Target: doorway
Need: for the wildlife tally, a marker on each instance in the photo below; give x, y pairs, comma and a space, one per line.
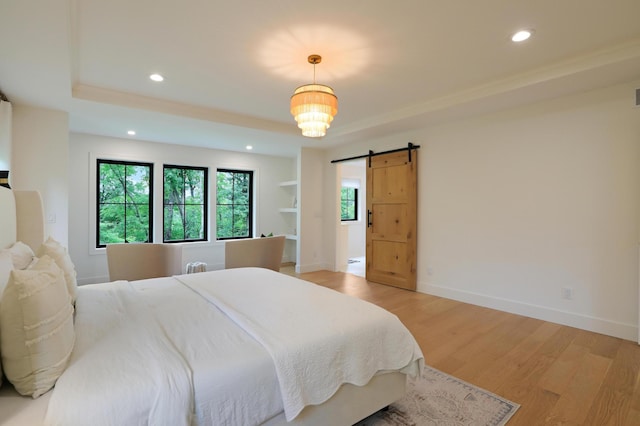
352, 226
391, 216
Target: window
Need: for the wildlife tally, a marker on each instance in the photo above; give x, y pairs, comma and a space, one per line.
348, 203
185, 204
124, 202
234, 204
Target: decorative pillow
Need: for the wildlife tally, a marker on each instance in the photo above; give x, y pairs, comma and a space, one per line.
22, 255
36, 327
6, 265
59, 254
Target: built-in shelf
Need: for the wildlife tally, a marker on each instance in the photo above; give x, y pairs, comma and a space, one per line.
288, 210
290, 215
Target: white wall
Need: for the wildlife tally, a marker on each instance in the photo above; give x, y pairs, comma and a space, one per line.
91, 264
356, 230
5, 135
516, 205
310, 208
40, 161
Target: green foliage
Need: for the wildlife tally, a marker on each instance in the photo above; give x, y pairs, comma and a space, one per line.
124, 204
184, 204
233, 212
348, 201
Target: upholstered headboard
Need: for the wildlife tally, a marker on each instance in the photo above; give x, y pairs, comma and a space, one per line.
21, 218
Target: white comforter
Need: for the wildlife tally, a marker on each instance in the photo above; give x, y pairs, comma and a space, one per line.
225, 347
318, 338
123, 367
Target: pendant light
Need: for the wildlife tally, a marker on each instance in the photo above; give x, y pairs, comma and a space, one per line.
314, 105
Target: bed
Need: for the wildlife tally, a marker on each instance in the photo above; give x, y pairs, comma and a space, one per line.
245, 346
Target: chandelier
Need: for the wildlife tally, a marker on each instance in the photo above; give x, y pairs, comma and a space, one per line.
314, 105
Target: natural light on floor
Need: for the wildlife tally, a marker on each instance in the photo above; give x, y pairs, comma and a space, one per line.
356, 266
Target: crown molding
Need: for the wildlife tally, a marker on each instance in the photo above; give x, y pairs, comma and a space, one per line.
129, 100
620, 55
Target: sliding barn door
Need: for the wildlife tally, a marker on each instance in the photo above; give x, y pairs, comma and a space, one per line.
392, 219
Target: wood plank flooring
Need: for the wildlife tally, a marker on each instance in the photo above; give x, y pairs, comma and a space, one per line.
560, 375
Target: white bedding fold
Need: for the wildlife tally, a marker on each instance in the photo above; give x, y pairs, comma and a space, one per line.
121, 356
234, 379
318, 338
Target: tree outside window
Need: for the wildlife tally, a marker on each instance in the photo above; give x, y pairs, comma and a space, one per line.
348, 203
234, 204
185, 204
124, 205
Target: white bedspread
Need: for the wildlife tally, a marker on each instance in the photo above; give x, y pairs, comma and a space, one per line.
231, 347
318, 338
123, 368
234, 379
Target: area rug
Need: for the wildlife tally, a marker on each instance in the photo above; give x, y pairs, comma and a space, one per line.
439, 399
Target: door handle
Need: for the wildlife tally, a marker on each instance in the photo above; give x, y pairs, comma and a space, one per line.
369, 223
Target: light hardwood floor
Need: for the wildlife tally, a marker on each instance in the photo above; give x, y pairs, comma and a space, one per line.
560, 375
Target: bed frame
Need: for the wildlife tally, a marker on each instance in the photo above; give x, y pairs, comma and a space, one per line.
22, 219
350, 403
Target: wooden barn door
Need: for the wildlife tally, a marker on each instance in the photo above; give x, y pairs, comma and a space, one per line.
392, 218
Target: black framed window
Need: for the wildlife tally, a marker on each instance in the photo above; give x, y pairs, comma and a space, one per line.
348, 203
124, 202
234, 204
185, 203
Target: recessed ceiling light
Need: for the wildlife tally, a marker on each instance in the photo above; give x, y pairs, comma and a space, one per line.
249, 147
131, 132
521, 36
156, 77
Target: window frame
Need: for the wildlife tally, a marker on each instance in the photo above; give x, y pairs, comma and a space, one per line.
355, 204
98, 163
205, 205
251, 203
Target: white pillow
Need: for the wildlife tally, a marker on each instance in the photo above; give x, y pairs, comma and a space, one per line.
6, 265
36, 327
22, 255
59, 254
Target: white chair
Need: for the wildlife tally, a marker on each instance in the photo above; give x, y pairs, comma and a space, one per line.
138, 261
260, 252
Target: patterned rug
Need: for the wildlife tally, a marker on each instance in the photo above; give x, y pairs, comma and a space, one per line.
440, 399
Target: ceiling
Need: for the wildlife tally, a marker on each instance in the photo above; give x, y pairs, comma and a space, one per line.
230, 67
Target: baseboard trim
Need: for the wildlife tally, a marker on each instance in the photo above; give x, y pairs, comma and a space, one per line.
572, 319
300, 269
